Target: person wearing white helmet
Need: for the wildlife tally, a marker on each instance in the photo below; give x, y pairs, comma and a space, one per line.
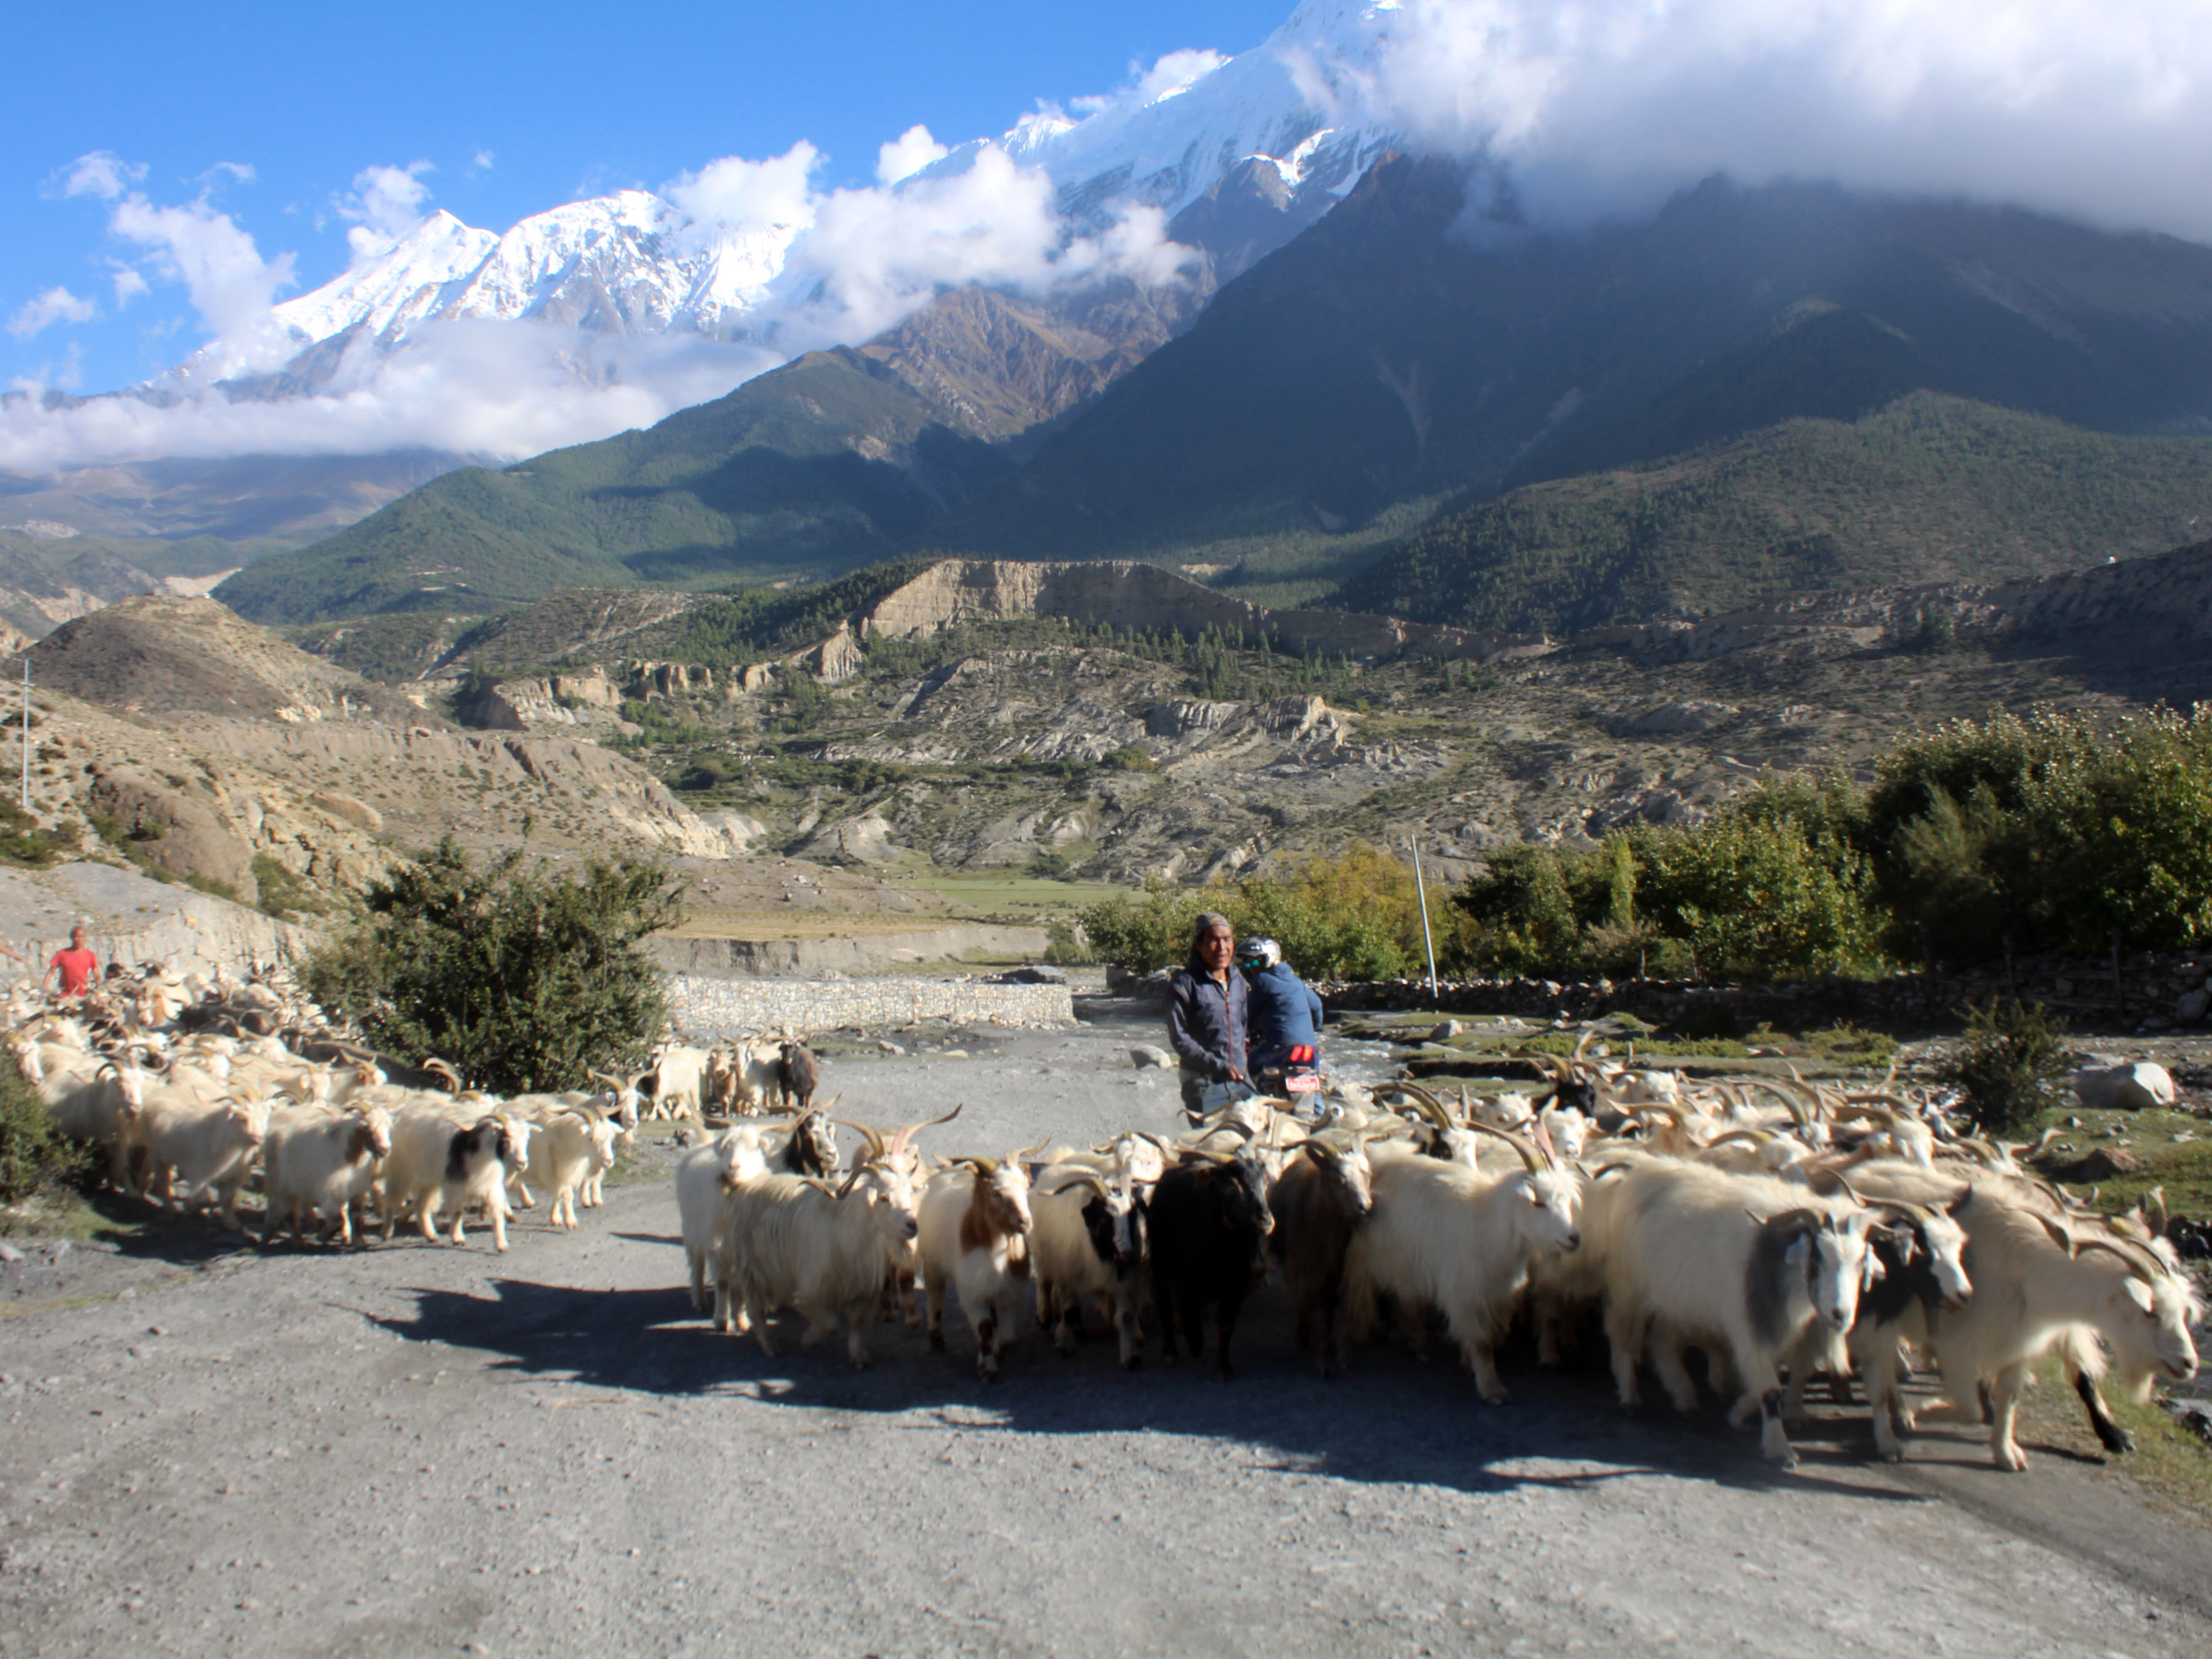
1284, 1015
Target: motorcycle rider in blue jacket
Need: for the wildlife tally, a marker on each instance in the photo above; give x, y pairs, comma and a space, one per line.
1283, 1014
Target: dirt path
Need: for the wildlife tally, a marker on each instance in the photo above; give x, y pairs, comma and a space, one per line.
422, 1450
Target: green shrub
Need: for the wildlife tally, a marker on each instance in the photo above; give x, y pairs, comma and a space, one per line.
283, 894
22, 841
1130, 759
33, 1155
1065, 946
2012, 1053
523, 976
1355, 916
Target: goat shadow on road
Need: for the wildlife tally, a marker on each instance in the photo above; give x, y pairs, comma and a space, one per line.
1409, 1422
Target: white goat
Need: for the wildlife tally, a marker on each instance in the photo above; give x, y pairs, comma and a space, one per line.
444, 1157
1740, 1264
703, 1176
208, 1146
2045, 1282
315, 1159
796, 1242
1459, 1240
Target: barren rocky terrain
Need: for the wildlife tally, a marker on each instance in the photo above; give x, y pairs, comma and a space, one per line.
418, 1448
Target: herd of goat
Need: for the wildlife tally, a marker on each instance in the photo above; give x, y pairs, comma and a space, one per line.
1781, 1227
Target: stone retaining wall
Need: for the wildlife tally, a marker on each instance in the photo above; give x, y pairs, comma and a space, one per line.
2155, 991
714, 1007
851, 953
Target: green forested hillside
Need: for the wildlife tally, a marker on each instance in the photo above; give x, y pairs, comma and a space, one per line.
820, 466
1931, 489
1389, 361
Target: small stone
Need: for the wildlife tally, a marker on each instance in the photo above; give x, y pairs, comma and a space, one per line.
61, 1248
9, 1253
889, 1047
2105, 1163
2188, 1007
1145, 1054
1447, 1031
956, 1054
157, 1330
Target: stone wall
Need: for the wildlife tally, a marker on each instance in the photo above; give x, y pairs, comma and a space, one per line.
2147, 990
851, 953
717, 1007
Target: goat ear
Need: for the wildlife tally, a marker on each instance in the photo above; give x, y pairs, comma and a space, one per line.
2141, 1294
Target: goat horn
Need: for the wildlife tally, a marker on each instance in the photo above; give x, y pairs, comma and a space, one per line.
1848, 1193
1520, 1143
903, 1136
2144, 1263
873, 1137
1157, 1140
1088, 1178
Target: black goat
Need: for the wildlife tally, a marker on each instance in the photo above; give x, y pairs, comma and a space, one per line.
1209, 1224
798, 1074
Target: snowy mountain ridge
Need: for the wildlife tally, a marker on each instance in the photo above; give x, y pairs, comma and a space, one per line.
633, 262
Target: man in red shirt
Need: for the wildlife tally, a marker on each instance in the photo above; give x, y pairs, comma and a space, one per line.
77, 966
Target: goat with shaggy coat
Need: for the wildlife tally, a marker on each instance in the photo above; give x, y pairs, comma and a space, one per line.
975, 1236
1209, 1223
1744, 1263
447, 1159
2045, 1282
1088, 1239
704, 1177
1319, 1203
1459, 1240
318, 1161
208, 1146
796, 1242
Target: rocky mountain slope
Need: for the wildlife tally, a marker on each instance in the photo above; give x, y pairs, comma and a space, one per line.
966, 727
173, 737
1387, 364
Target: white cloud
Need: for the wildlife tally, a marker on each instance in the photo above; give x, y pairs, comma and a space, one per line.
501, 391
238, 173
481, 161
129, 284
907, 154
102, 173
385, 205
55, 305
736, 192
2098, 108
231, 285
1173, 72
873, 255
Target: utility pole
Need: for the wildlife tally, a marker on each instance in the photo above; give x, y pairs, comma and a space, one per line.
1421, 888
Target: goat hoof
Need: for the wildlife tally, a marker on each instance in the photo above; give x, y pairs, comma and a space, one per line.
2116, 1439
937, 1342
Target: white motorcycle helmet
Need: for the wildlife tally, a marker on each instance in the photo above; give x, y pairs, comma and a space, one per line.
1254, 955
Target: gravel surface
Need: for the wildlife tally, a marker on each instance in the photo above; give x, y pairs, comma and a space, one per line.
418, 1449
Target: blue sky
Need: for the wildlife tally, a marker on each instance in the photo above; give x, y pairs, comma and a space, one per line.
562, 101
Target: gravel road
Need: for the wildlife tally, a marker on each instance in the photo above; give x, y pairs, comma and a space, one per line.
421, 1450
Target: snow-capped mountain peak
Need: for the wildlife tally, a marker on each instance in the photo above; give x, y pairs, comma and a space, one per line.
633, 262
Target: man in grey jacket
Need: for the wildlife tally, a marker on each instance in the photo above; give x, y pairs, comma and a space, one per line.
1206, 1013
